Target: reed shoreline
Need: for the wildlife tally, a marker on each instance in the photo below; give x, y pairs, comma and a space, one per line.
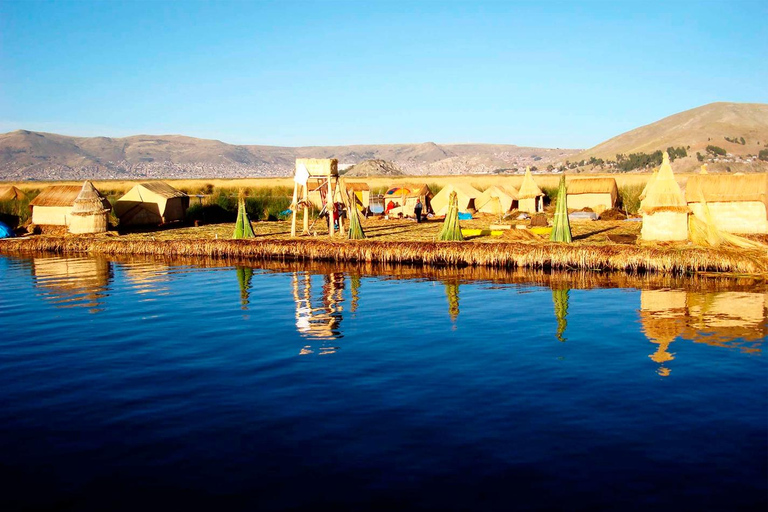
535, 255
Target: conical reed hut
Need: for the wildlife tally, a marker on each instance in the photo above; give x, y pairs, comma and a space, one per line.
451, 230
561, 226
90, 211
243, 228
530, 197
664, 210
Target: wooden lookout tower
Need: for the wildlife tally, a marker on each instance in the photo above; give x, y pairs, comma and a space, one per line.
316, 175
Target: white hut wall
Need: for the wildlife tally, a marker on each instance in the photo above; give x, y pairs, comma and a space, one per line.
665, 226
86, 224
597, 202
51, 215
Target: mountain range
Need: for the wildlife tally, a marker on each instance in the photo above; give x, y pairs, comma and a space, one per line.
28, 155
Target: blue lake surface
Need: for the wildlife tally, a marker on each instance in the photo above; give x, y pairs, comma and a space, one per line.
138, 383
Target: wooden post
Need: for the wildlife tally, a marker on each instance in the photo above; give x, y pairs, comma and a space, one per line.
306, 210
294, 205
329, 207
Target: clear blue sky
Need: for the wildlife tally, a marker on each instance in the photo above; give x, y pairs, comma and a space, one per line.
316, 73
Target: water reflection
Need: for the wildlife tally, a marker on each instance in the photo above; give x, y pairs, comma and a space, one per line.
560, 297
452, 292
319, 319
73, 282
721, 319
244, 278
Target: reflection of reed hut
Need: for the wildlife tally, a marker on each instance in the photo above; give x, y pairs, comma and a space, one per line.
665, 212
152, 203
496, 200
530, 197
662, 315
466, 195
402, 199
597, 194
53, 206
361, 193
728, 319
73, 282
90, 212
737, 204
319, 321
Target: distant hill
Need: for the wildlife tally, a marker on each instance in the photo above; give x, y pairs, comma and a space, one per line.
374, 168
699, 127
47, 156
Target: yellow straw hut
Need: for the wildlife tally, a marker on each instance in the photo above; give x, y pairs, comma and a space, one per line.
466, 194
361, 193
737, 204
53, 206
11, 193
597, 194
664, 210
90, 211
530, 197
496, 200
151, 204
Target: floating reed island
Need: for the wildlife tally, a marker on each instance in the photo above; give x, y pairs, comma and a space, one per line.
677, 259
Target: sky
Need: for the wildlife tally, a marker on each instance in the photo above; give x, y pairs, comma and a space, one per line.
546, 74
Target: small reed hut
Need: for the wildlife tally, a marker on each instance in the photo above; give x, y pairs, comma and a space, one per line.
597, 194
530, 197
465, 194
361, 193
403, 198
664, 210
53, 206
737, 204
11, 193
90, 211
496, 200
316, 181
151, 204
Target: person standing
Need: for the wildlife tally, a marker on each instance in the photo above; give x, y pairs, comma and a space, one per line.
417, 210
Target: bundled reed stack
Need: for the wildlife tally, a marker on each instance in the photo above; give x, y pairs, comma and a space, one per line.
90, 211
530, 197
664, 210
355, 227
243, 227
561, 226
451, 230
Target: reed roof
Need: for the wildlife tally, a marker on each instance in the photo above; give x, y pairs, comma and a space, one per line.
647, 185
529, 188
718, 188
90, 201
57, 195
162, 189
11, 193
593, 186
357, 187
664, 193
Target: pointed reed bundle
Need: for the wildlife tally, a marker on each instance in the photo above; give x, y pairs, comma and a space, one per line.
451, 230
243, 228
355, 227
561, 226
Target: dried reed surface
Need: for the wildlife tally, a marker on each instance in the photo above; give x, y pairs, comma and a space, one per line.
658, 258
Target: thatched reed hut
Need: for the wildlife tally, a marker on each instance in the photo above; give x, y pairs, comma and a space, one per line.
53, 206
151, 203
598, 194
737, 204
496, 200
664, 210
465, 193
403, 198
11, 193
361, 193
90, 211
530, 197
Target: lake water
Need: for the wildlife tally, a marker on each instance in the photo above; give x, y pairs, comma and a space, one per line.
138, 383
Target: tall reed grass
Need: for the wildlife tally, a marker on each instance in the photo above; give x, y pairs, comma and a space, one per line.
629, 196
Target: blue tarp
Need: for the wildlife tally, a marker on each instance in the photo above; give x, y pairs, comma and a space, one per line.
465, 216
5, 231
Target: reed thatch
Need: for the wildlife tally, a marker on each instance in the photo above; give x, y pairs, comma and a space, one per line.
451, 230
57, 196
664, 194
561, 226
11, 193
593, 186
720, 188
465, 198
90, 201
319, 167
529, 189
648, 185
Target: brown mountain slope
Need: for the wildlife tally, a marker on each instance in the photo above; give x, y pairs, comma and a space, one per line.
697, 128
